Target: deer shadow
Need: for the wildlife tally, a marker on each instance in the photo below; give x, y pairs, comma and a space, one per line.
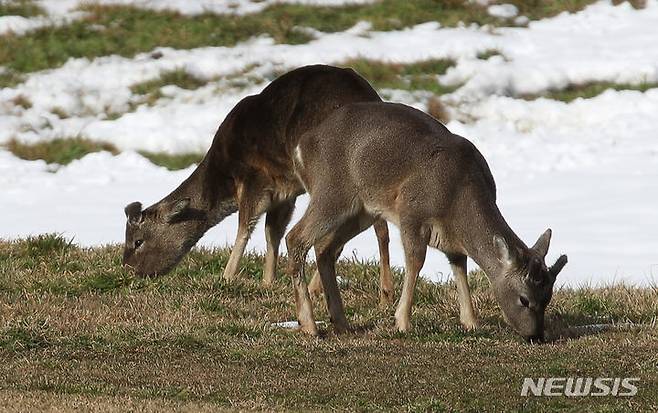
571, 327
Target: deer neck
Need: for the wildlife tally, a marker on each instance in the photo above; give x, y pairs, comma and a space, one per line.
211, 189
480, 229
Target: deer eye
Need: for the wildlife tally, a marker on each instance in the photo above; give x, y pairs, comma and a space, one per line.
138, 243
524, 301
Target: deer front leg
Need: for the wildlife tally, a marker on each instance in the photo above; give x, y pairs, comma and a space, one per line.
298, 246
386, 290
466, 313
231, 269
276, 220
251, 205
415, 250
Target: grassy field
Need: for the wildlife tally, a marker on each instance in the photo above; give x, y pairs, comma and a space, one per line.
78, 331
127, 30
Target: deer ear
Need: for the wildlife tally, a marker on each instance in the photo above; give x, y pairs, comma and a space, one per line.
133, 212
177, 208
542, 244
557, 267
504, 254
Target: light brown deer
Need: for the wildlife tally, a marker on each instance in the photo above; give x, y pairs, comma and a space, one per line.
381, 160
249, 169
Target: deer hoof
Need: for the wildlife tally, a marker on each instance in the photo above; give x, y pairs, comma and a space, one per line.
309, 329
469, 325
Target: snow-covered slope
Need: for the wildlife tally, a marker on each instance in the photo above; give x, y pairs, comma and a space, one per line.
588, 169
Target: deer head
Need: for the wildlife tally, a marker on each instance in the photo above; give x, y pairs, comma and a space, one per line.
525, 287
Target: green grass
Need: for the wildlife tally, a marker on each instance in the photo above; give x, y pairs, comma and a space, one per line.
64, 151
539, 9
78, 329
44, 245
58, 151
127, 31
173, 162
25, 8
414, 76
487, 54
589, 90
60, 112
9, 78
150, 89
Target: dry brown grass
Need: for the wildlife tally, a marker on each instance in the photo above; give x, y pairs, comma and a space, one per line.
22, 102
437, 109
44, 401
79, 332
637, 4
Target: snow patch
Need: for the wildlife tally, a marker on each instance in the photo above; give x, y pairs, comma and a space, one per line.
503, 11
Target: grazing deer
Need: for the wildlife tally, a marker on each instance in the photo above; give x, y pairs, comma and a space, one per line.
248, 168
372, 160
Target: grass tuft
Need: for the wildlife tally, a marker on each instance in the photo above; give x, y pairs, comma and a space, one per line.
9, 78
540, 9
589, 90
58, 151
127, 30
22, 101
60, 113
438, 110
637, 4
25, 8
173, 162
150, 89
414, 76
64, 151
46, 245
489, 53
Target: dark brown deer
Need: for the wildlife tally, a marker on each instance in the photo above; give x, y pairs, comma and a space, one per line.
248, 168
375, 160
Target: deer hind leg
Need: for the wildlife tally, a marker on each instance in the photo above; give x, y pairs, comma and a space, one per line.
466, 313
327, 252
386, 290
315, 288
276, 220
414, 241
314, 225
315, 285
